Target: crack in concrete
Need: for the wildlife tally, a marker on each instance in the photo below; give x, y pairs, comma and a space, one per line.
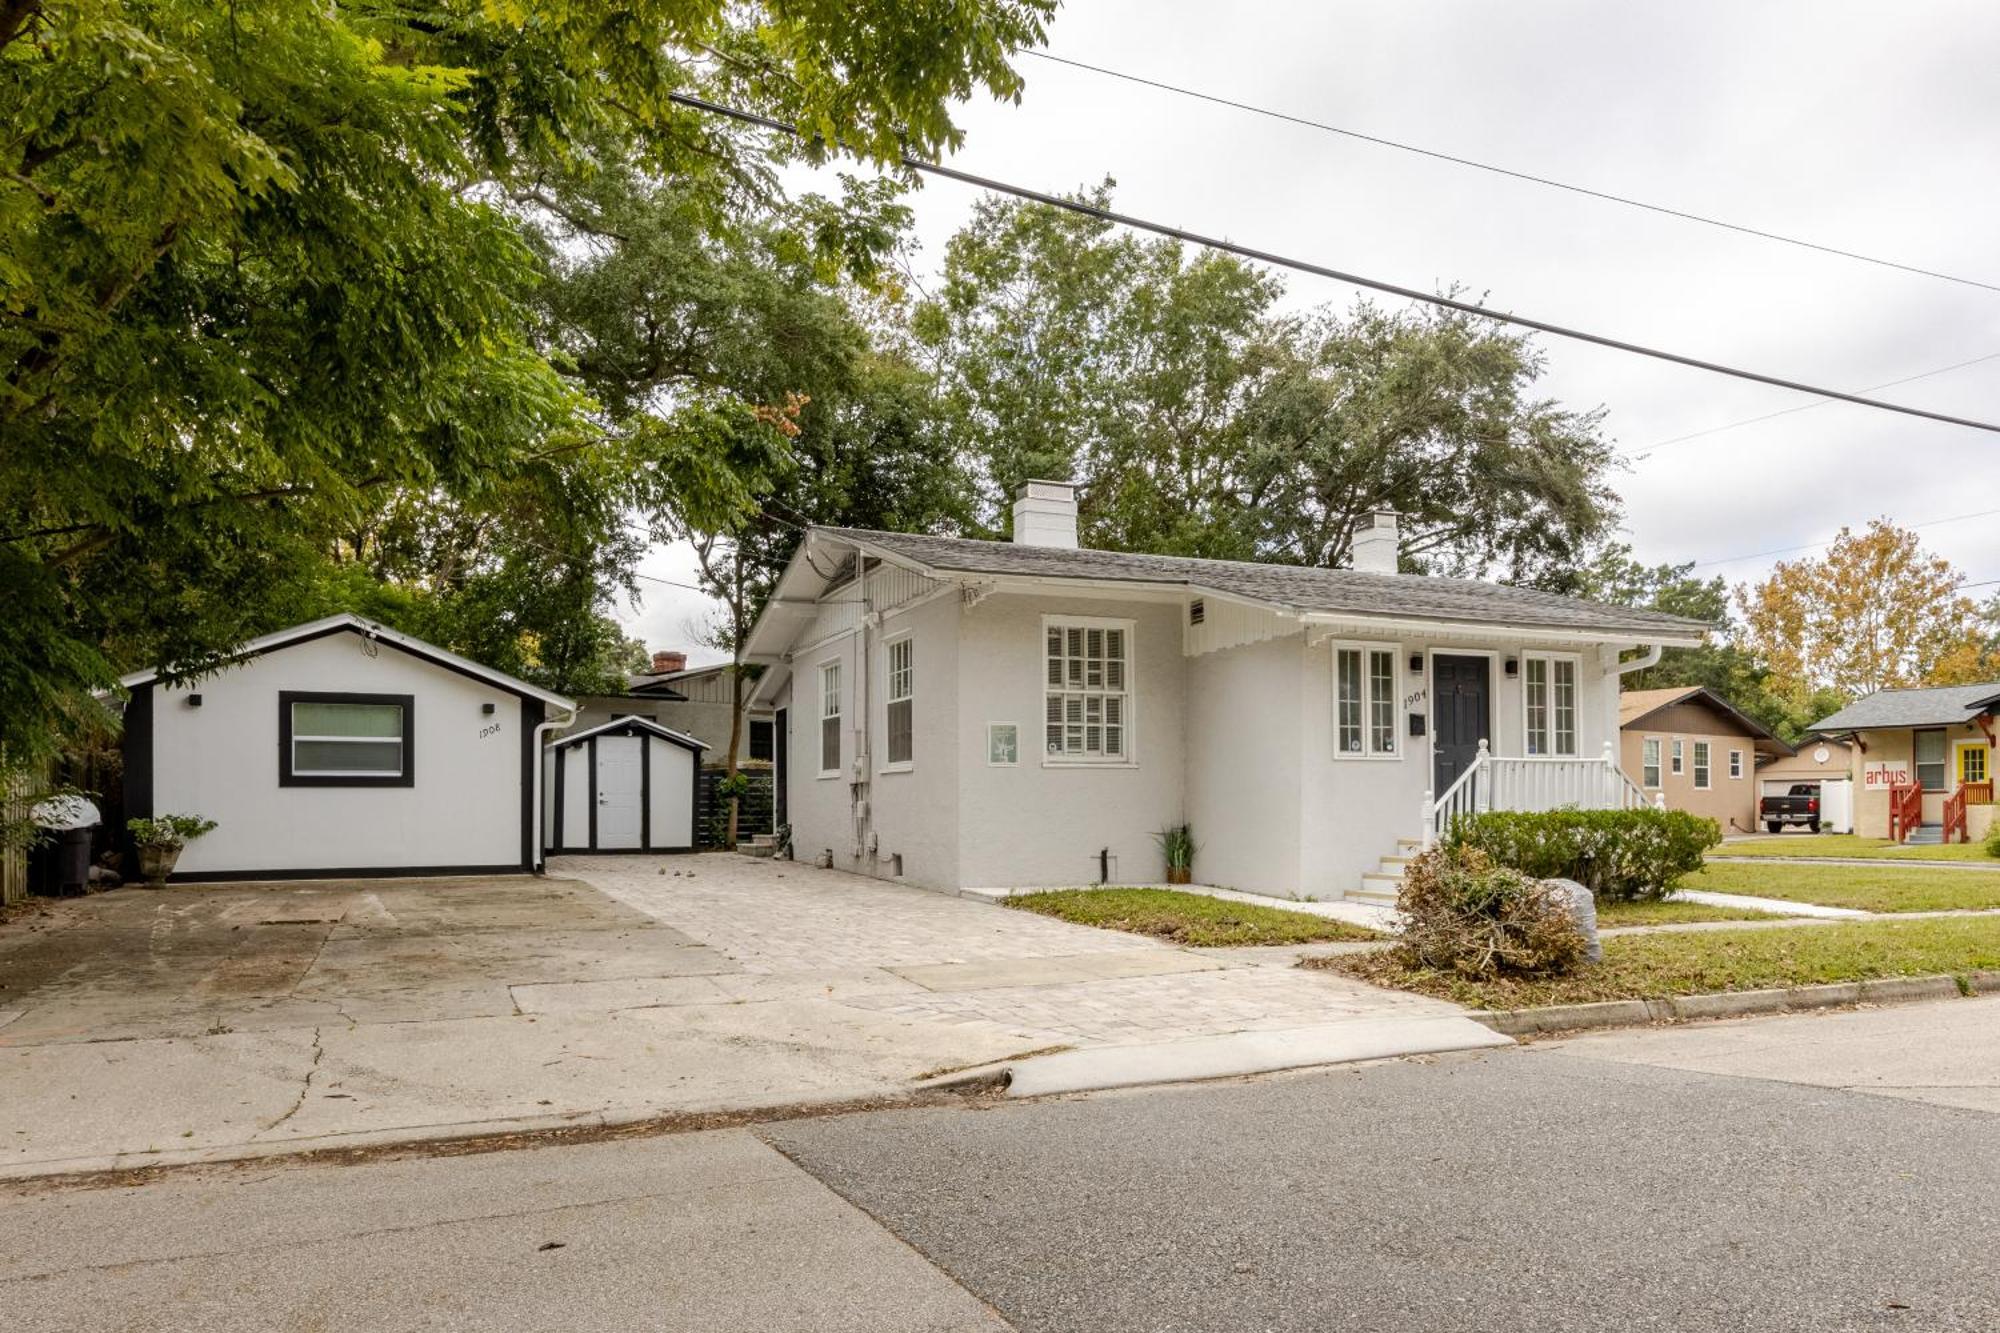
305, 1087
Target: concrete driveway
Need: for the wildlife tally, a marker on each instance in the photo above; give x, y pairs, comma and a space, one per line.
204, 1022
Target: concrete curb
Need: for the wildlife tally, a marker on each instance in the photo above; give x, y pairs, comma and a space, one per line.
1736, 1004
1236, 1054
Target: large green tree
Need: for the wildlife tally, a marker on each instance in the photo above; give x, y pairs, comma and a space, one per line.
269, 269
1198, 419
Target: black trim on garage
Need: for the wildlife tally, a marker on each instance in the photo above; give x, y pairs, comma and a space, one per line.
344, 872
286, 778
533, 713
590, 806
135, 746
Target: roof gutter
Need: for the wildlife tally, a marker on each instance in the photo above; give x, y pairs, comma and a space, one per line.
538, 859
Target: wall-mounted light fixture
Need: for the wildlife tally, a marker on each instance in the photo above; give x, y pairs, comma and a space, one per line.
1513, 667
1416, 664
486, 709
194, 701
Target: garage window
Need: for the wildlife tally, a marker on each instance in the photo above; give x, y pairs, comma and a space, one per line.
902, 701
346, 740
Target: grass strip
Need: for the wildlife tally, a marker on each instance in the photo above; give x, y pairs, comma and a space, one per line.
1193, 919
1646, 967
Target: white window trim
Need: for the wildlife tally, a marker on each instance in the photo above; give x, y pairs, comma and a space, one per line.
1659, 745
1680, 760
1703, 773
901, 765
991, 727
1368, 750
820, 714
1130, 759
1736, 765
1576, 728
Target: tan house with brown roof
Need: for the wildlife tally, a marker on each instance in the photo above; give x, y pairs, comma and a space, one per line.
1687, 746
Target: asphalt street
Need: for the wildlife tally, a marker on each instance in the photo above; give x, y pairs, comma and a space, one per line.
1732, 1176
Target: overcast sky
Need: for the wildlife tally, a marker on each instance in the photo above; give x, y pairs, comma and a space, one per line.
1866, 127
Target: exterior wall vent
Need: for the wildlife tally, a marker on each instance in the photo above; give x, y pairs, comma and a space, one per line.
1197, 611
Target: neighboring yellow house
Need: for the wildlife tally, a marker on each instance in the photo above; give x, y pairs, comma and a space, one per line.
1939, 740
1686, 746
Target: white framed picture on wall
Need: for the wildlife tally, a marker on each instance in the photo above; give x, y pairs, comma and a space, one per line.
1003, 745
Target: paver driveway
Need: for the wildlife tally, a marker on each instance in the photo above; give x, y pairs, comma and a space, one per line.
892, 949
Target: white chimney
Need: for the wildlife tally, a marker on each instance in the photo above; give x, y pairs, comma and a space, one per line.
1045, 514
1375, 543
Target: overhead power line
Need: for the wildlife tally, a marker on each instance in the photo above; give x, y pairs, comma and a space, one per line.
1640, 455
1476, 165
1355, 279
1814, 546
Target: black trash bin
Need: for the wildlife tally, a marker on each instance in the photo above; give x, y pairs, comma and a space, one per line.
70, 865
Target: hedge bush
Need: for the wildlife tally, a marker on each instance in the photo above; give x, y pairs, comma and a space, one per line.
1619, 855
1463, 914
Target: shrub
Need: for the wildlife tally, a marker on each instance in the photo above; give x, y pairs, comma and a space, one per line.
1619, 855
1463, 914
168, 830
1993, 839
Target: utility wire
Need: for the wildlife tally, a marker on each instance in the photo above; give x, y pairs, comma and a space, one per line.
1641, 455
1814, 546
1530, 177
1352, 279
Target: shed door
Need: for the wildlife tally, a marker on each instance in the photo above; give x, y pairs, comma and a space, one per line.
619, 792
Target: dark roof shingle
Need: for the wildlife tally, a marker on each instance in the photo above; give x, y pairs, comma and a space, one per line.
1297, 587
1934, 706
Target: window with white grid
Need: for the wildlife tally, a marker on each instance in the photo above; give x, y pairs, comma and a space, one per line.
902, 697
1364, 700
1087, 690
829, 719
1549, 705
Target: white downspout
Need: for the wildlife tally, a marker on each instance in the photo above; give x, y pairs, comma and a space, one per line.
542, 730
1651, 657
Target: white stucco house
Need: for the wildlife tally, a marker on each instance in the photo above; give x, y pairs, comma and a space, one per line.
341, 747
1030, 713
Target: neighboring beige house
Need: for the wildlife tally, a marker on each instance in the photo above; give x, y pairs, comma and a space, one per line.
1932, 748
1030, 713
1687, 745
693, 702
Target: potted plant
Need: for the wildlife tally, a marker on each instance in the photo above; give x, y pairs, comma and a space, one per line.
1177, 841
160, 841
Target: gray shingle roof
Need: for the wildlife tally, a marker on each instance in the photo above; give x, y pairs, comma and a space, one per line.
1937, 706
1327, 591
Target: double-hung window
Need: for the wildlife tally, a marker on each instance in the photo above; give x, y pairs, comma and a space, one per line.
1649, 763
1736, 763
346, 740
902, 700
829, 720
1701, 765
1087, 691
1930, 751
1549, 699
1678, 764
1364, 700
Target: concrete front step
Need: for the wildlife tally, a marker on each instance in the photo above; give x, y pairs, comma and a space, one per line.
1372, 897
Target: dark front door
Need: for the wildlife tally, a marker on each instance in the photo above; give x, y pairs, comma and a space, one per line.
1459, 715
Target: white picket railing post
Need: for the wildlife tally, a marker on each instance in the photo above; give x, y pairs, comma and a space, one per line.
1429, 824
1482, 792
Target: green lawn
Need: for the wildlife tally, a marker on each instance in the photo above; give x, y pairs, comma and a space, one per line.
1702, 962
1869, 888
1669, 913
1187, 918
1846, 844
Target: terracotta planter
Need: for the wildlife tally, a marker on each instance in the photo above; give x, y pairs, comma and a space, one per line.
156, 863
1180, 874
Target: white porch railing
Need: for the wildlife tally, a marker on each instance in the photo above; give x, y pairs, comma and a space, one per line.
1494, 782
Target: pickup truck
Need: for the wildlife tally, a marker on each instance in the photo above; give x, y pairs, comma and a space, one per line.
1798, 806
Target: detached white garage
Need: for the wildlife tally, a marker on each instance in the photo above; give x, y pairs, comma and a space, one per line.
627, 785
342, 748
